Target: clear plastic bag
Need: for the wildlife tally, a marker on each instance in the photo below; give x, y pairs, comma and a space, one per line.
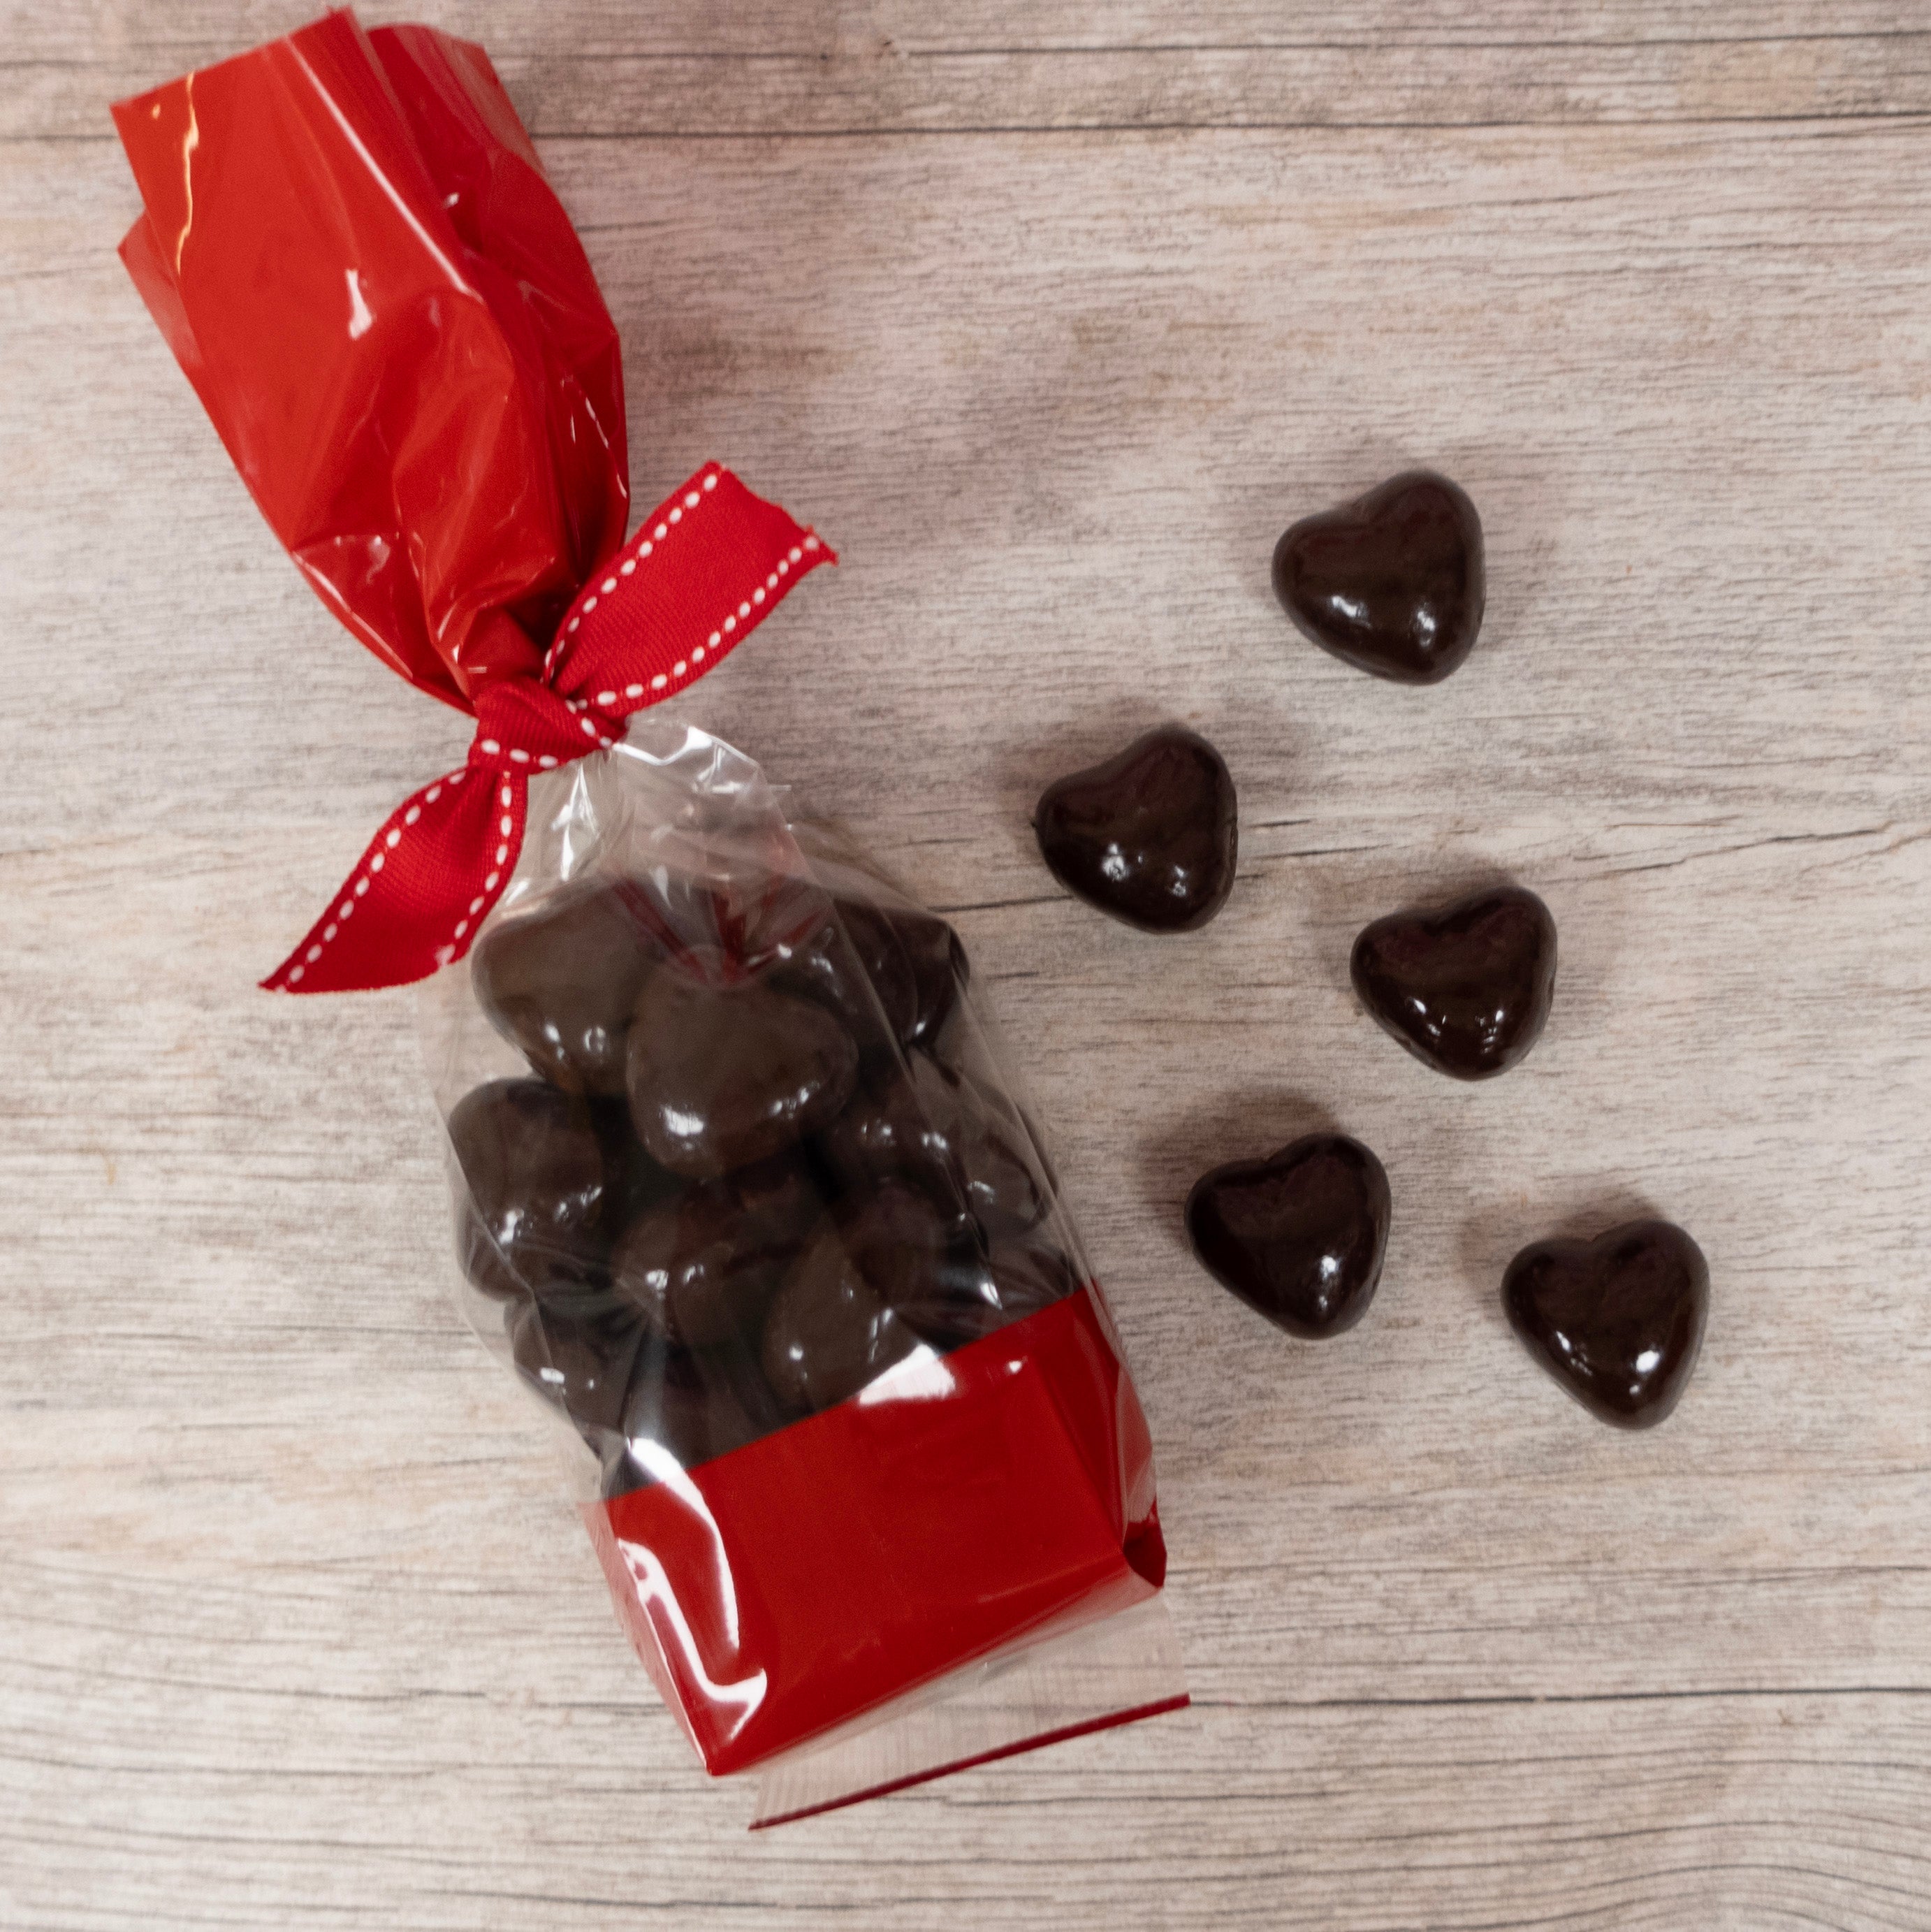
748, 1197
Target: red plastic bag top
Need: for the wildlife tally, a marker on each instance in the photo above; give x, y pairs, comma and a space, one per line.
353, 253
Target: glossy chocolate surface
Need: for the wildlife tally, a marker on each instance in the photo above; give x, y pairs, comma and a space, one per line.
534, 1167
941, 972
1467, 989
892, 975
797, 1187
940, 1131
1006, 1190
582, 1363
636, 1182
1392, 583
854, 966
722, 1076
1617, 1321
700, 1268
1150, 835
885, 1133
1299, 1237
561, 981
683, 1409
973, 1295
832, 1328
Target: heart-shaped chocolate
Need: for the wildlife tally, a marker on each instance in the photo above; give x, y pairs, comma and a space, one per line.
684, 1408
941, 972
1299, 1236
974, 1292
1149, 836
534, 1213
1392, 582
581, 1361
561, 980
853, 965
700, 1268
1467, 989
947, 1135
869, 962
832, 1327
1617, 1321
722, 1075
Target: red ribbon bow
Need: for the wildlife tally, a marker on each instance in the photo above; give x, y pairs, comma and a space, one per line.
708, 565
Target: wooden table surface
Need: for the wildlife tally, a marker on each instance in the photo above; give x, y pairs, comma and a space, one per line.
1051, 317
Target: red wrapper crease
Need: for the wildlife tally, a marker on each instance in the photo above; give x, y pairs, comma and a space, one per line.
353, 253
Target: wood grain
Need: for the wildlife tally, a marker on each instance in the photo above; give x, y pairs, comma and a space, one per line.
819, 68
298, 1627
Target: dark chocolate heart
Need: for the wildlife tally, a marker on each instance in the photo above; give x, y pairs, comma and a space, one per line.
1005, 1187
685, 1408
853, 964
1467, 989
942, 1132
973, 1293
701, 1268
1299, 1236
561, 980
1394, 582
721, 1075
1617, 1321
868, 963
879, 922
886, 1132
1150, 835
581, 1362
832, 1327
534, 1210
941, 972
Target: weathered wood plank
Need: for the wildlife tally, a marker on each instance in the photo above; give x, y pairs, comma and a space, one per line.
829, 69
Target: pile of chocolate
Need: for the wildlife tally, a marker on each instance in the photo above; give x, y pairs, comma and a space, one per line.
754, 1165
1395, 584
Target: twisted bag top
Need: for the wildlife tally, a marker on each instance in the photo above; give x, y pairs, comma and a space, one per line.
353, 253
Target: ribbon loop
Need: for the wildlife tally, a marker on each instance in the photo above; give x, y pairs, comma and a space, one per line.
705, 568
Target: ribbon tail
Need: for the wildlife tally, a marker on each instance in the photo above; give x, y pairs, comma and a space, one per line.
426, 881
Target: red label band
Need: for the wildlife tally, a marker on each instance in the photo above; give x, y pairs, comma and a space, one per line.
957, 1505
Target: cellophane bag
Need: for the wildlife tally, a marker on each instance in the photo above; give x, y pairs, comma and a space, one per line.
745, 1193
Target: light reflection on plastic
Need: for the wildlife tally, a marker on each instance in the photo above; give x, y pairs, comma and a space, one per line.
360, 320
190, 142
376, 175
922, 1376
653, 1586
